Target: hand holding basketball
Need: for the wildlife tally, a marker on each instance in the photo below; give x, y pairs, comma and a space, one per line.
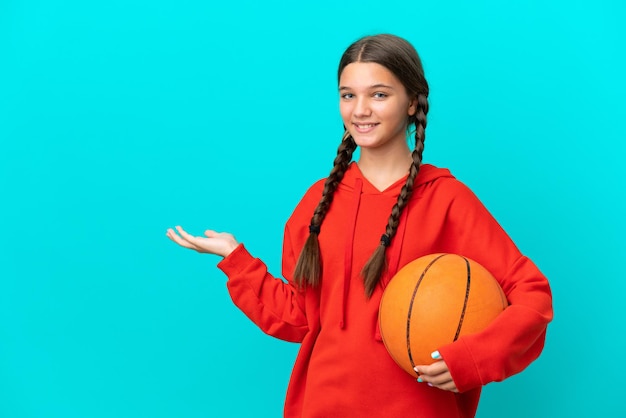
436, 375
218, 243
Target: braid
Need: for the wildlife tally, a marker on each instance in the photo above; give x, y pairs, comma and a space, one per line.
374, 268
420, 123
308, 268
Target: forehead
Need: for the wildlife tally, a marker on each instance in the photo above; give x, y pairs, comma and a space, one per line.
366, 74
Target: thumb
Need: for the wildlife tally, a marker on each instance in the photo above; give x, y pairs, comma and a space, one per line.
210, 233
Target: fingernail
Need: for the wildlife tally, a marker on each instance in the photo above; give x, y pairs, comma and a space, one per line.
415, 368
435, 355
419, 380
430, 384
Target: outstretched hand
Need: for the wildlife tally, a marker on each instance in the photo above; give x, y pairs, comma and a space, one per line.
437, 374
218, 243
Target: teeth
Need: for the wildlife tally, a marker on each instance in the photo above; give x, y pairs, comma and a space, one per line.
371, 125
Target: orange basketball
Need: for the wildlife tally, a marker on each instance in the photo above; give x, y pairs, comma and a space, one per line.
431, 302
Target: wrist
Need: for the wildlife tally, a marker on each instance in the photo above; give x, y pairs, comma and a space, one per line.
230, 248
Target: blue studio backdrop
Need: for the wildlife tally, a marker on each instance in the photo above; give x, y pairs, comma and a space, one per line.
120, 119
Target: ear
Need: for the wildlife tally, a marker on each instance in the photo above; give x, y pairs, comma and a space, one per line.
412, 107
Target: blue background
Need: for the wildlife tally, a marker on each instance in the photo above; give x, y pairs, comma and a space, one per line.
120, 119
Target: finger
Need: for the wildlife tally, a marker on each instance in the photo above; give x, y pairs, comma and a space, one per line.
441, 379
180, 240
432, 369
436, 375
450, 386
210, 233
438, 379
186, 236
171, 234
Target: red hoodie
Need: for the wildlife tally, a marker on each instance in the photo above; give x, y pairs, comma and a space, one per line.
343, 369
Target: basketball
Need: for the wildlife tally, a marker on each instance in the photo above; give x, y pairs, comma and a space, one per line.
432, 301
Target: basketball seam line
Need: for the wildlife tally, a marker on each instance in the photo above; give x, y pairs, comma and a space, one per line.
408, 321
467, 292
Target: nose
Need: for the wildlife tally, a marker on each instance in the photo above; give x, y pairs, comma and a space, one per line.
362, 108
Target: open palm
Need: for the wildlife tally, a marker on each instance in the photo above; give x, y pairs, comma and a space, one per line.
219, 243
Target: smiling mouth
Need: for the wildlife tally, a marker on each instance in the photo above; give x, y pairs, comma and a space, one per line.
364, 127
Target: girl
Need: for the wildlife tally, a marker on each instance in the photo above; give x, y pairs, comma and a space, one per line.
336, 263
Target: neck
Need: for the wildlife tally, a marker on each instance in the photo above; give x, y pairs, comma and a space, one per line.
382, 168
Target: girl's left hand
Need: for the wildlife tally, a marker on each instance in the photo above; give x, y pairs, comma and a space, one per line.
437, 375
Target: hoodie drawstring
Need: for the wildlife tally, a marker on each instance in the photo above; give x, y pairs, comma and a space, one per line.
393, 254
351, 223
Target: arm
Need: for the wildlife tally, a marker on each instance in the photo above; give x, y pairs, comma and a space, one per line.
516, 337
273, 305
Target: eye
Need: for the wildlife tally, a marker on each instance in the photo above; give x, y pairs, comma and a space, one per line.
380, 95
347, 96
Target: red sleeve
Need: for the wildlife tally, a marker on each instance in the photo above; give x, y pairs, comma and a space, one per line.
272, 304
517, 335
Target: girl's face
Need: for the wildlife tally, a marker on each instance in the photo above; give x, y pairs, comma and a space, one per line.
374, 105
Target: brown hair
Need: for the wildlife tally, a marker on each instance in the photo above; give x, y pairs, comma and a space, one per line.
399, 57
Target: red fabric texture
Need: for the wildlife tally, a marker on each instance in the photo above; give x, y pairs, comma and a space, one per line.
343, 369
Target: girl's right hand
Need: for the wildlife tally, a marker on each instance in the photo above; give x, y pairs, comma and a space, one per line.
218, 243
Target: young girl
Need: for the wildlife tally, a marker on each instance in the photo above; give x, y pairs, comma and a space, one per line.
351, 233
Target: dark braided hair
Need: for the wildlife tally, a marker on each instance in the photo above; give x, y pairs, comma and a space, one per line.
308, 267
399, 57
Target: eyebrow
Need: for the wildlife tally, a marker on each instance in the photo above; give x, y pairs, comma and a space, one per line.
373, 86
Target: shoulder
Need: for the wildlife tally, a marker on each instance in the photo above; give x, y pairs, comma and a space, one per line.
441, 184
304, 209
313, 194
